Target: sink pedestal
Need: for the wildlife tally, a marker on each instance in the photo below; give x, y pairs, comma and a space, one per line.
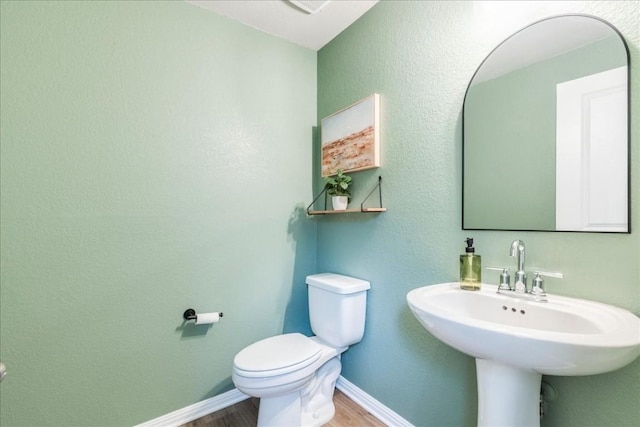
507, 396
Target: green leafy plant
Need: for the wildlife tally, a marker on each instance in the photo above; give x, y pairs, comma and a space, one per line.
338, 185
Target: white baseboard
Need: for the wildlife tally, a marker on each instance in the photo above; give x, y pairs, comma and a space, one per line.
224, 400
197, 410
374, 407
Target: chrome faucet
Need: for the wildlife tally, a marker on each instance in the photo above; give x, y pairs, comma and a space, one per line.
520, 283
519, 289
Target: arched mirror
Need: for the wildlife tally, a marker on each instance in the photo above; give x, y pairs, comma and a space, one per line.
546, 133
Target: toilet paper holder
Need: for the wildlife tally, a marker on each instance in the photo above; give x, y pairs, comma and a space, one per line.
190, 314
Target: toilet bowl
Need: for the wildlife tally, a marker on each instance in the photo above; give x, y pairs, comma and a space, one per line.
294, 375
284, 379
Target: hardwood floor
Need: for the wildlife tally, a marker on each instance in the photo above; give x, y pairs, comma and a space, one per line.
245, 414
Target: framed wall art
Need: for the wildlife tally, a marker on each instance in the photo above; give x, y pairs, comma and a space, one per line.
350, 138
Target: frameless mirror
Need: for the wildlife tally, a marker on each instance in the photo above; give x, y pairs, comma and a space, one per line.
545, 131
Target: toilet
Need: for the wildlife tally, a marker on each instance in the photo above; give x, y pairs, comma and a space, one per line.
294, 375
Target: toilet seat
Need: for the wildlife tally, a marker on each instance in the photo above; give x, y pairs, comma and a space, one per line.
277, 355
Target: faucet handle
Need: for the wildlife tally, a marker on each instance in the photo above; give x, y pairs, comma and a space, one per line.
548, 274
505, 280
537, 289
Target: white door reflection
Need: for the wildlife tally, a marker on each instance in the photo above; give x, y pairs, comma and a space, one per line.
591, 148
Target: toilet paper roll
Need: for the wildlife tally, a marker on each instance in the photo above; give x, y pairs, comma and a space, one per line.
207, 318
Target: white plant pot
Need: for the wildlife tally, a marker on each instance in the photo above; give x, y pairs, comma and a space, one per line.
339, 202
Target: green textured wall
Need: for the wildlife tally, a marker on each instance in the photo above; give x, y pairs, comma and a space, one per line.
123, 126
155, 157
419, 56
523, 149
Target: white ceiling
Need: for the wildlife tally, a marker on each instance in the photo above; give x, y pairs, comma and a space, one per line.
283, 19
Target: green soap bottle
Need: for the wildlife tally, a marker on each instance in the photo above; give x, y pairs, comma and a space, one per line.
470, 268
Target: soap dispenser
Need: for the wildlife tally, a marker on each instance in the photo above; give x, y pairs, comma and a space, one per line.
470, 268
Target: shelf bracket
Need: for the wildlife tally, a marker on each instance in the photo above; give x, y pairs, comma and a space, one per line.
379, 188
324, 191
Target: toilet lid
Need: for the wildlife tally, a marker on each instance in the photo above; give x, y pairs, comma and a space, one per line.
278, 355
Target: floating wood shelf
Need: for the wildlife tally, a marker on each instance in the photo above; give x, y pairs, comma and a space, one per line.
330, 212
362, 209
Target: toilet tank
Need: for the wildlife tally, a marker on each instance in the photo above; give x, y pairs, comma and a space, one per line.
337, 308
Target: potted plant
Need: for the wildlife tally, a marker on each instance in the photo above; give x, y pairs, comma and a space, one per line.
337, 186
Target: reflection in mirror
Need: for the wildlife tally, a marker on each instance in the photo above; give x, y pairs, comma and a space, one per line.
545, 131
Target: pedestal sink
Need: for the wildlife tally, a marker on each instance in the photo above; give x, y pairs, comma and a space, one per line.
515, 341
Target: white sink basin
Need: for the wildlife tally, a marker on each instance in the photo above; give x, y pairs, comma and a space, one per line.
564, 336
516, 340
